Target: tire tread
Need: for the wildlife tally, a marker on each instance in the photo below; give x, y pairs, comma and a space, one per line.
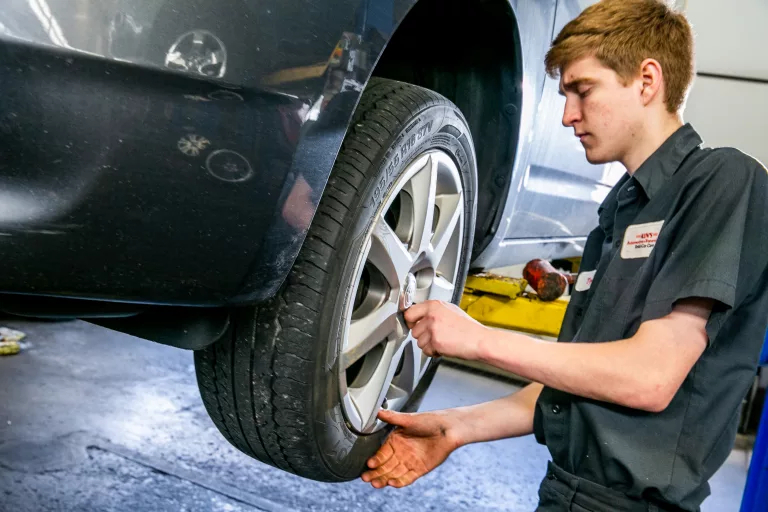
258, 404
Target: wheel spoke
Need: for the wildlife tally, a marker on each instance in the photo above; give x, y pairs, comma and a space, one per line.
369, 398
451, 208
367, 332
216, 57
396, 399
389, 255
441, 289
421, 295
198, 38
176, 59
412, 373
422, 189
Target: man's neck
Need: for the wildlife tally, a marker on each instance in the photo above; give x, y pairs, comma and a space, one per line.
653, 135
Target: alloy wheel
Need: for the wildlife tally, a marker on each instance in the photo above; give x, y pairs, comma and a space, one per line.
411, 254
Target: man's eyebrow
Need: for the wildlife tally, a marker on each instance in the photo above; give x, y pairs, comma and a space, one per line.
573, 85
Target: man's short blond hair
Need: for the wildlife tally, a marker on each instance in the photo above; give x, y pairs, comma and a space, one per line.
623, 33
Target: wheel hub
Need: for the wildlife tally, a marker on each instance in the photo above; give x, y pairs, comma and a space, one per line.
407, 294
198, 51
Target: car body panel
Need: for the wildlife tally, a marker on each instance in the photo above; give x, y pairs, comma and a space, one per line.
154, 185
137, 170
554, 194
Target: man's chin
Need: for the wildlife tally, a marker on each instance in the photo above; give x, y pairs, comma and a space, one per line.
595, 159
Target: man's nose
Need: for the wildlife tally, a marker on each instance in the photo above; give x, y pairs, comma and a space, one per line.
571, 114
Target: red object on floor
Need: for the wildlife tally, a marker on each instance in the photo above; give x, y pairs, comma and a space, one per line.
549, 283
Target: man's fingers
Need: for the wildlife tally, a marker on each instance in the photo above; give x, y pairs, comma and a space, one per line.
379, 476
420, 329
423, 341
398, 471
376, 474
397, 419
415, 313
404, 480
380, 482
394, 473
417, 424
383, 455
384, 469
381, 479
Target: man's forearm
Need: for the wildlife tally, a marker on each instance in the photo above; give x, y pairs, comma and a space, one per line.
642, 372
511, 416
602, 371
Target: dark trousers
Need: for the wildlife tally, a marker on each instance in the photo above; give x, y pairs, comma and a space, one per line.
561, 491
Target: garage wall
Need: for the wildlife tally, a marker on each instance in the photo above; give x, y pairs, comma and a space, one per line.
728, 103
731, 37
730, 113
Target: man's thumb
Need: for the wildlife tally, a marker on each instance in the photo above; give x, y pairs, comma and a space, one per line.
395, 418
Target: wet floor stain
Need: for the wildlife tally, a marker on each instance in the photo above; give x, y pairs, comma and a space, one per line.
94, 420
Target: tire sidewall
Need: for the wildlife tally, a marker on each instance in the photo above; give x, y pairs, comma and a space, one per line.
439, 127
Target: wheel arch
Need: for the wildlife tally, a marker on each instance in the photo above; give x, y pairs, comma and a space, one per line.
486, 57
481, 72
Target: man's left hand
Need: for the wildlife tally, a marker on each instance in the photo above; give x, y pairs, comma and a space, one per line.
443, 329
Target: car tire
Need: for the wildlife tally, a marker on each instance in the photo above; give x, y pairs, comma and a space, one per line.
280, 384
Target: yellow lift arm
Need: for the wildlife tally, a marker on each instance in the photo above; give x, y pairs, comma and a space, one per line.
502, 302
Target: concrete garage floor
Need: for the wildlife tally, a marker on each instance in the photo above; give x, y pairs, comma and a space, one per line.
93, 420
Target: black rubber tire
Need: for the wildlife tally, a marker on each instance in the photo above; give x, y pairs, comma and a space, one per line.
270, 384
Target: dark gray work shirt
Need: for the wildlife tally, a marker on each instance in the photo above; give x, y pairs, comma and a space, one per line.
690, 222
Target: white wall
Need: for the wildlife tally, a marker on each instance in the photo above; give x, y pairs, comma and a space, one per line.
730, 113
731, 36
732, 40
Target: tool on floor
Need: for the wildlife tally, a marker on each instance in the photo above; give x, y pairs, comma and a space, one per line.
549, 283
503, 302
9, 341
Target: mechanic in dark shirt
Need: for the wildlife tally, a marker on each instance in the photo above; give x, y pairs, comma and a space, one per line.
638, 402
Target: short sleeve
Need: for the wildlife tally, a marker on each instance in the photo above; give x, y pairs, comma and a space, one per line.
702, 246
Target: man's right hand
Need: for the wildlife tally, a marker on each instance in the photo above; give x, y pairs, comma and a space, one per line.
421, 442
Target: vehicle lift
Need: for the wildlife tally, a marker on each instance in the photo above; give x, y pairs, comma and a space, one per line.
510, 303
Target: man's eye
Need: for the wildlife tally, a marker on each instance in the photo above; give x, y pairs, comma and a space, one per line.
584, 93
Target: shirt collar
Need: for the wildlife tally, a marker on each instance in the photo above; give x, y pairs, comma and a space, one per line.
654, 172
607, 209
666, 160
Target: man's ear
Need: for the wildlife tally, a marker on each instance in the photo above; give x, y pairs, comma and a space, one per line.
652, 80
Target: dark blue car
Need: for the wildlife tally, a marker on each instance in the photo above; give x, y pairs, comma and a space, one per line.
271, 183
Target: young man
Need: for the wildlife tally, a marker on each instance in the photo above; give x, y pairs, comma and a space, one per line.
638, 402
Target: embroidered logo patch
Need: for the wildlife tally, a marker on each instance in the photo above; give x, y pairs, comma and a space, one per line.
640, 239
584, 281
